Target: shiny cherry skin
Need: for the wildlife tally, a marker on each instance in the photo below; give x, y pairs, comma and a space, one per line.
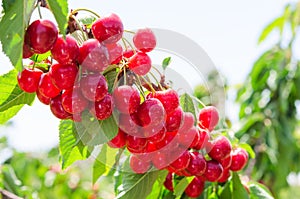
115, 52
46, 86
73, 101
197, 165
213, 171
225, 176
208, 118
174, 119
42, 98
169, 98
221, 148
136, 144
93, 56
195, 188
108, 29
94, 87
140, 63
103, 109
57, 109
119, 141
42, 35
168, 183
239, 159
65, 51
185, 138
29, 79
138, 165
127, 99
63, 76
144, 40
182, 162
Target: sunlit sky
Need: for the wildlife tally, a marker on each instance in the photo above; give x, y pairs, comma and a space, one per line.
226, 30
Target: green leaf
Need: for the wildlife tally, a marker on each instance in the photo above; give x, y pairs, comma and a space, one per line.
11, 182
277, 23
68, 144
93, 132
238, 190
248, 148
137, 185
12, 25
182, 185
104, 162
60, 11
226, 192
157, 187
187, 104
40, 57
166, 62
11, 96
7, 4
87, 20
259, 191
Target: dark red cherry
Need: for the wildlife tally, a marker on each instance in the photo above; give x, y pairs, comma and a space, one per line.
103, 109
182, 162
119, 141
65, 51
169, 182
225, 176
195, 188
174, 119
136, 144
29, 79
63, 76
138, 165
239, 159
57, 109
213, 171
94, 87
108, 29
185, 138
221, 148
197, 165
140, 63
144, 40
127, 99
42, 35
73, 101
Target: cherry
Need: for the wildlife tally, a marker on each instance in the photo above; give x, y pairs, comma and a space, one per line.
27, 52
63, 76
169, 98
139, 166
169, 182
187, 121
183, 173
144, 40
65, 51
108, 29
208, 118
119, 141
195, 188
174, 119
136, 144
93, 56
151, 113
140, 63
159, 160
42, 98
57, 108
115, 52
239, 159
158, 137
196, 140
46, 86
203, 141
182, 162
197, 165
128, 53
225, 176
151, 147
213, 171
129, 124
221, 148
168, 142
185, 138
28, 79
127, 99
94, 87
73, 101
226, 162
103, 108
42, 34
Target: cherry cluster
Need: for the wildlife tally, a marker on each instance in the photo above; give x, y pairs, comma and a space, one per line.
152, 124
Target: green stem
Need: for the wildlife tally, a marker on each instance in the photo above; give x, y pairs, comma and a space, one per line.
156, 80
197, 100
131, 46
129, 31
39, 10
151, 87
85, 9
140, 87
125, 78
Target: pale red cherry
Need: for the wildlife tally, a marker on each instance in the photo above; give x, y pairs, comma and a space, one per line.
144, 40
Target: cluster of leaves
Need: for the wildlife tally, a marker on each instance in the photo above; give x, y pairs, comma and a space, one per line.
269, 101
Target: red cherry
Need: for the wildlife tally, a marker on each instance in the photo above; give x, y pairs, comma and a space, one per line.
73, 101
108, 29
93, 56
103, 108
226, 162
65, 51
144, 40
57, 108
129, 124
115, 52
182, 162
119, 141
42, 98
28, 79
127, 99
140, 63
158, 137
203, 141
239, 159
168, 142
169, 182
213, 171
136, 144
195, 188
221, 148
174, 119
151, 113
208, 118
225, 176
137, 165
197, 165
187, 121
185, 138
27, 52
128, 53
42, 35
159, 160
47, 88
94, 87
63, 76
169, 98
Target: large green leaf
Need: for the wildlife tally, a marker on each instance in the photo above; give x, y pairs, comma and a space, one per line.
187, 104
68, 144
157, 187
60, 11
182, 185
238, 190
259, 191
12, 25
12, 98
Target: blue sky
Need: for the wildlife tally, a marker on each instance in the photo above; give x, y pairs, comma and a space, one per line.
226, 30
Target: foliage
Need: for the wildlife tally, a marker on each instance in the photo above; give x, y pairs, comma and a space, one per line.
268, 105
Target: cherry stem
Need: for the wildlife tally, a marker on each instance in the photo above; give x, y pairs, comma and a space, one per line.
157, 71
39, 10
147, 82
131, 46
198, 100
125, 78
129, 31
140, 87
80, 28
159, 85
85, 9
124, 43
